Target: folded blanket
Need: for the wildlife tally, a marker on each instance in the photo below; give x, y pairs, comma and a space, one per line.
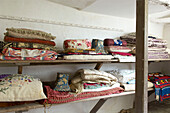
2, 57
95, 72
77, 44
28, 33
27, 53
27, 40
88, 57
79, 87
117, 49
123, 75
101, 88
95, 77
55, 97
21, 45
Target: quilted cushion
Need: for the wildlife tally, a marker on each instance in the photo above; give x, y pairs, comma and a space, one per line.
62, 82
18, 87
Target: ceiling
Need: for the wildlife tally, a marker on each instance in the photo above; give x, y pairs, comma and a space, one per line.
119, 8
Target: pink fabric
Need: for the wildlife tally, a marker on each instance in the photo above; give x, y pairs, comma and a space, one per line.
121, 53
55, 97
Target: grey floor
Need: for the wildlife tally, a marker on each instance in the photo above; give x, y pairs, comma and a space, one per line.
154, 107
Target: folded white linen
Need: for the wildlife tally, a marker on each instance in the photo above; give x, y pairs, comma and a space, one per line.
95, 72
88, 57
131, 87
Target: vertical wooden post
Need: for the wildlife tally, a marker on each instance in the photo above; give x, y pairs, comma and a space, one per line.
19, 69
141, 100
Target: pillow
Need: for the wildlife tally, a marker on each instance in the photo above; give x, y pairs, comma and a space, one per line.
98, 46
19, 87
28, 33
62, 82
77, 44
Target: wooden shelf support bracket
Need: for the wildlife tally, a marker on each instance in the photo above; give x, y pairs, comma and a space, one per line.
20, 69
99, 65
98, 105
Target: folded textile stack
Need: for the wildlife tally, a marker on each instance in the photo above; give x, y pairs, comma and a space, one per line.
157, 48
119, 49
162, 85
130, 39
27, 44
90, 80
126, 78
83, 49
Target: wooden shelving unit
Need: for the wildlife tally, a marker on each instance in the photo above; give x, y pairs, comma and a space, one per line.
26, 107
102, 99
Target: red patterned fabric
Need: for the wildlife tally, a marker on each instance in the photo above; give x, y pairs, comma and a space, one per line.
2, 57
55, 97
12, 39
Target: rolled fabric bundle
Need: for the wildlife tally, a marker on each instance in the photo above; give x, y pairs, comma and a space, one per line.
98, 46
12, 39
76, 79
108, 42
77, 44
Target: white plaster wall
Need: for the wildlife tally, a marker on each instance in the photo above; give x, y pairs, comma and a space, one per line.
166, 36
43, 9
166, 33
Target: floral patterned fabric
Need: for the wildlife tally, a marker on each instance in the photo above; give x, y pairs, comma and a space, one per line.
18, 87
2, 57
62, 82
77, 44
28, 53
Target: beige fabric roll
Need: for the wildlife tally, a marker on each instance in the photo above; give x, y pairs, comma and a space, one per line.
76, 88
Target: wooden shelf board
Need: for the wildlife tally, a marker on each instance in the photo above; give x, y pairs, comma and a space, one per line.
158, 60
26, 107
23, 107
38, 62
